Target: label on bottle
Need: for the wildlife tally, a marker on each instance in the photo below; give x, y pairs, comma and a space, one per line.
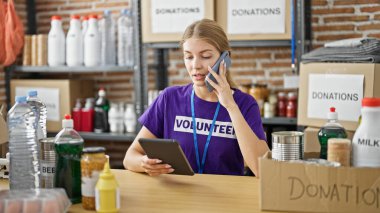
47, 168
366, 151
89, 183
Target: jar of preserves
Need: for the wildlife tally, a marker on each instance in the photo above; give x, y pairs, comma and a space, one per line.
92, 163
291, 107
281, 104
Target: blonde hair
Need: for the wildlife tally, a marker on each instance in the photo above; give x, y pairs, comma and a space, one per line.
210, 32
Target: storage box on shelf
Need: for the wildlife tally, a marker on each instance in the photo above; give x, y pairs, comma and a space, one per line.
335, 91
234, 16
292, 186
58, 95
165, 21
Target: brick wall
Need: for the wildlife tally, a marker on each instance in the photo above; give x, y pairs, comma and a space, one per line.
331, 20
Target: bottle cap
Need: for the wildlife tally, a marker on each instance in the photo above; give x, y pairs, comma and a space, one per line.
20, 99
102, 92
107, 13
75, 17
32, 93
332, 115
56, 18
125, 12
106, 173
85, 18
93, 16
95, 149
67, 122
371, 102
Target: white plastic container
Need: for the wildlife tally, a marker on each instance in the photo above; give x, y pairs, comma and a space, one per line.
108, 45
56, 43
130, 118
92, 43
366, 141
125, 51
84, 25
74, 40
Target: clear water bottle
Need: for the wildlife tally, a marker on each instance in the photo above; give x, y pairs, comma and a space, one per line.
125, 52
40, 112
101, 112
24, 167
107, 31
68, 148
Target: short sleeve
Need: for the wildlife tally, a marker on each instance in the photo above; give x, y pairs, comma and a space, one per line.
253, 119
153, 117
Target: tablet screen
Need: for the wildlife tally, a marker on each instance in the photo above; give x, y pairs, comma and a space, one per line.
169, 151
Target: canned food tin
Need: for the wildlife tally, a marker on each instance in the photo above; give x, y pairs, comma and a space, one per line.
47, 162
287, 145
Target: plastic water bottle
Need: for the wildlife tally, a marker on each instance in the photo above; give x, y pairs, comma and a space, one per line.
24, 167
125, 52
56, 43
92, 43
101, 112
40, 111
68, 148
74, 40
130, 118
107, 32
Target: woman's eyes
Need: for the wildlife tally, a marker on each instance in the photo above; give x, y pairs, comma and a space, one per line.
191, 57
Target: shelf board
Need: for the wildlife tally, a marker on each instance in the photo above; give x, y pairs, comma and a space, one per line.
279, 121
66, 69
118, 137
255, 43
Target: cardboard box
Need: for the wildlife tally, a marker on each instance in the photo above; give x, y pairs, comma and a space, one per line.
170, 18
286, 186
351, 102
311, 139
3, 132
58, 95
247, 13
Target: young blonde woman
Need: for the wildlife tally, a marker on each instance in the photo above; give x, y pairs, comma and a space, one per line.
233, 117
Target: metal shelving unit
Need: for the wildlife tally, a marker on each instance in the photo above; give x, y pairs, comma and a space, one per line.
36, 71
284, 121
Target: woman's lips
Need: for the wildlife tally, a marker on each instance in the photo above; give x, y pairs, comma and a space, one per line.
199, 77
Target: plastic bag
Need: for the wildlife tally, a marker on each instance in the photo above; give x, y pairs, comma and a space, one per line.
13, 39
2, 31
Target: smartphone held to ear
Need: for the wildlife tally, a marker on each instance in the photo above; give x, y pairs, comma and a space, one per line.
227, 60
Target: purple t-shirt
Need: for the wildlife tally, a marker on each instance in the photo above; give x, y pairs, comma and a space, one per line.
169, 116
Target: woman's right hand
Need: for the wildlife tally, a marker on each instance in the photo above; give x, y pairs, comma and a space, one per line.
154, 167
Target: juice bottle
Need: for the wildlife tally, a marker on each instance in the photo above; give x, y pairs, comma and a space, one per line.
332, 129
68, 147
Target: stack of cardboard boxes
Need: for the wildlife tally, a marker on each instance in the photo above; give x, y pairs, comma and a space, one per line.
292, 186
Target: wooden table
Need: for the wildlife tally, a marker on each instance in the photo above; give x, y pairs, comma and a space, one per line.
174, 193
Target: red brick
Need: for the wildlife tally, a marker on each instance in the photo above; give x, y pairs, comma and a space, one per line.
333, 11
75, 7
282, 55
280, 73
376, 35
244, 81
355, 2
113, 4
250, 56
369, 27
340, 19
337, 37
248, 73
314, 20
370, 9
333, 28
319, 2
276, 64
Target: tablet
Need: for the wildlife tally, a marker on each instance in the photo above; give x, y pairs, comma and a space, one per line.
169, 151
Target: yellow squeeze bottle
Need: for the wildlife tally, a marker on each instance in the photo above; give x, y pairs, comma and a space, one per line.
107, 194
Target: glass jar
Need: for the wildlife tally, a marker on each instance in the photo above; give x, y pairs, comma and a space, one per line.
92, 163
291, 106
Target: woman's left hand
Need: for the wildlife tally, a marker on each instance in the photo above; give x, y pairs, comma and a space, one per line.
222, 89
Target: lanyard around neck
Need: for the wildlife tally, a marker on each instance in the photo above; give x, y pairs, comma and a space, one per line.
200, 167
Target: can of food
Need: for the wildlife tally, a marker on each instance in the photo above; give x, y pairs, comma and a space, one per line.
287, 145
47, 162
92, 163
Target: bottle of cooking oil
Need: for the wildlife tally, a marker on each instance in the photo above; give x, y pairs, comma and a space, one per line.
332, 129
